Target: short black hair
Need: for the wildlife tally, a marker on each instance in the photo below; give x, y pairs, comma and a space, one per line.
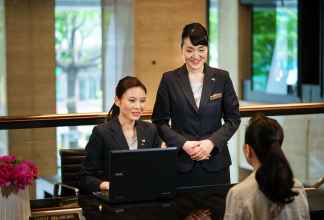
197, 34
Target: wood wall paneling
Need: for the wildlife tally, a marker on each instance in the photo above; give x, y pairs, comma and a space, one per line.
30, 64
157, 30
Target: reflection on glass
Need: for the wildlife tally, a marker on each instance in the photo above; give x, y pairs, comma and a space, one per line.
275, 49
303, 145
213, 32
68, 138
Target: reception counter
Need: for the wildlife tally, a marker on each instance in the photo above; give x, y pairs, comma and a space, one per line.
208, 204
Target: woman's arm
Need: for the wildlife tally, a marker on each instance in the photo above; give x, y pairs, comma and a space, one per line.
156, 138
161, 116
92, 171
231, 116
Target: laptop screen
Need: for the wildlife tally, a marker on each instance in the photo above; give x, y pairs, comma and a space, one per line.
143, 174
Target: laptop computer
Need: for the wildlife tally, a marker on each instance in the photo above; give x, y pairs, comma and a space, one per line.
141, 175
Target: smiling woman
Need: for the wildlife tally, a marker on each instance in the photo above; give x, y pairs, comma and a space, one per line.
194, 44
32, 54
122, 130
190, 97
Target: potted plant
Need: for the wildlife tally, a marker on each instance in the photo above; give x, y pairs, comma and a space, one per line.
15, 177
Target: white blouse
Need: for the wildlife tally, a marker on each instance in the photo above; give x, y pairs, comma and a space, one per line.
246, 201
196, 86
132, 142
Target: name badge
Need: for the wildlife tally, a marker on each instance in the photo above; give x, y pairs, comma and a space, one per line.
215, 96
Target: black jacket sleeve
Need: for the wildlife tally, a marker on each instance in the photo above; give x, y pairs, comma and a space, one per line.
156, 138
161, 117
231, 116
92, 171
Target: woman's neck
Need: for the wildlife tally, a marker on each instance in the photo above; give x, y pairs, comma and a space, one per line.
195, 71
125, 123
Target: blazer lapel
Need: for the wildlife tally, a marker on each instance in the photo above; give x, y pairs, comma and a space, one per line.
118, 134
141, 140
208, 85
184, 82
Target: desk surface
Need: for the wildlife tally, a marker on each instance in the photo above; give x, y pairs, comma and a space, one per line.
207, 205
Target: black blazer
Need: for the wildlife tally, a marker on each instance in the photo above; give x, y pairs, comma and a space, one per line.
109, 136
175, 101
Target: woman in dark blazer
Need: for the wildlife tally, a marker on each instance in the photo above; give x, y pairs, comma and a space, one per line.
122, 130
196, 98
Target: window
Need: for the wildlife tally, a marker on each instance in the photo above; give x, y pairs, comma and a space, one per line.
78, 48
60, 85
274, 50
89, 89
93, 42
82, 90
213, 32
78, 52
93, 88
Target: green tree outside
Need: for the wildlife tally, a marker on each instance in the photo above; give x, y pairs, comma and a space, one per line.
264, 39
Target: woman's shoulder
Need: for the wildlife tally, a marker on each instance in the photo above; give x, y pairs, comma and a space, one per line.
172, 73
299, 187
297, 183
146, 125
217, 71
102, 127
246, 187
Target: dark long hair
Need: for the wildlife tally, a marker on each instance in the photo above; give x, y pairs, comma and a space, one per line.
197, 34
123, 85
274, 176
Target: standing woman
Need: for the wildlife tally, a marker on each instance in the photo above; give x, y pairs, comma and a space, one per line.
123, 130
270, 192
196, 97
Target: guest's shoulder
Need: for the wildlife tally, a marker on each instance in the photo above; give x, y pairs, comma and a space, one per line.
297, 183
246, 188
299, 187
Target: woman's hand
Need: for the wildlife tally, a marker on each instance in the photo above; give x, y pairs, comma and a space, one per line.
191, 147
205, 148
198, 150
163, 145
104, 186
